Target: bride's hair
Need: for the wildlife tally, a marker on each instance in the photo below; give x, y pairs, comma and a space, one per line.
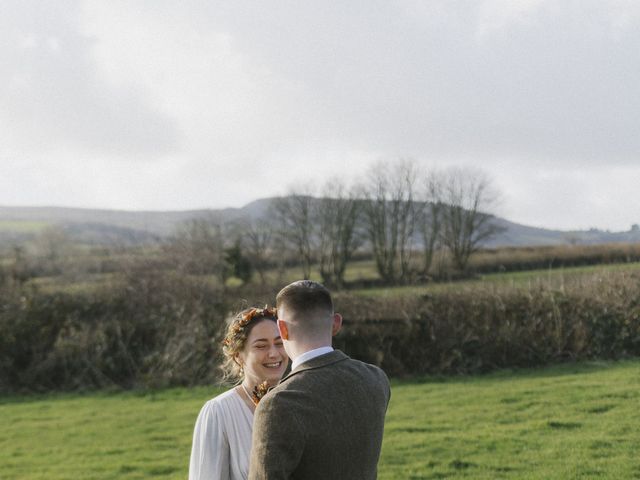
238, 329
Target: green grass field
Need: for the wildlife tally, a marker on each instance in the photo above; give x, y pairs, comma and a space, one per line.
365, 270
556, 278
566, 422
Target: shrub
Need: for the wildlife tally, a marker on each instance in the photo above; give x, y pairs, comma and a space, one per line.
478, 330
150, 330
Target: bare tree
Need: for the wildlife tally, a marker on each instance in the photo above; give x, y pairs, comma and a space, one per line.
337, 218
197, 247
429, 216
259, 235
389, 212
466, 197
295, 216
20, 265
53, 249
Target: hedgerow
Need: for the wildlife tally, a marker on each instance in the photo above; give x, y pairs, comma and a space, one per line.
154, 330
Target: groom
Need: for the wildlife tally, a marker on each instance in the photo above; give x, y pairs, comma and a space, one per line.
325, 419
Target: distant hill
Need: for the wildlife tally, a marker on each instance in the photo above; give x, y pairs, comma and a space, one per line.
111, 227
517, 235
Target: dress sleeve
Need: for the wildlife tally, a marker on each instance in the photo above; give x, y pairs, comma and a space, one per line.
210, 448
278, 440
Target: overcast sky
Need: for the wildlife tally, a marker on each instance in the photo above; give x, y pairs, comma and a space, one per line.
166, 105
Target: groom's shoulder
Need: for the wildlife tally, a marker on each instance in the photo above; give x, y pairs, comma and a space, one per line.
373, 370
369, 376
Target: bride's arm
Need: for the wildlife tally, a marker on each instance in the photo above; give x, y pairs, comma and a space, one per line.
210, 448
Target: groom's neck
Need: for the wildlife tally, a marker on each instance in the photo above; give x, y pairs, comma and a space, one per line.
296, 348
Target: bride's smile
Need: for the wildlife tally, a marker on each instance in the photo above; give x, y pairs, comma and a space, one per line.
263, 357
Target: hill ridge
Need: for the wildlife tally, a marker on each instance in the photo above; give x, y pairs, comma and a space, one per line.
141, 226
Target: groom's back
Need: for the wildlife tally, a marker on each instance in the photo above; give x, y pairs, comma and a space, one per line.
324, 421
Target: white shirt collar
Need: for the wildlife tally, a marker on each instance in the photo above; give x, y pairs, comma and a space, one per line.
306, 356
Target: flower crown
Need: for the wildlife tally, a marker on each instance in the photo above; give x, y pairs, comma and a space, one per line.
246, 319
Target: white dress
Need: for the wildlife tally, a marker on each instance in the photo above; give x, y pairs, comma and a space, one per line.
222, 439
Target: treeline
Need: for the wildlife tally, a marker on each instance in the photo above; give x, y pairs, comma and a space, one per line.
413, 223
395, 211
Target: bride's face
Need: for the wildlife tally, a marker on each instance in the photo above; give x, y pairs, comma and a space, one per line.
263, 356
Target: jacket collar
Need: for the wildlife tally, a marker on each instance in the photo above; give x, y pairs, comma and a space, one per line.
318, 362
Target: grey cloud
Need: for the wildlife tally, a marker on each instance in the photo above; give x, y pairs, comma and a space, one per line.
562, 82
55, 96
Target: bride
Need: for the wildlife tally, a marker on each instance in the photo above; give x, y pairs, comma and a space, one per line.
256, 360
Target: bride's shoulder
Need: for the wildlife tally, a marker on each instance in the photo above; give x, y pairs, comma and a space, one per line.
225, 396
218, 408
222, 401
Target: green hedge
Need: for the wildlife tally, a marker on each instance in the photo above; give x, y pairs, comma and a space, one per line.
150, 330
154, 330
481, 330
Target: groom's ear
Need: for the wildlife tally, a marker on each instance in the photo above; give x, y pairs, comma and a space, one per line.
282, 328
337, 324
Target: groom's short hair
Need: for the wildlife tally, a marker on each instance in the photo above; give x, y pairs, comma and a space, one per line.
305, 299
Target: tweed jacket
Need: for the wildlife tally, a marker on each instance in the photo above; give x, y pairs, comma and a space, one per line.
323, 421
